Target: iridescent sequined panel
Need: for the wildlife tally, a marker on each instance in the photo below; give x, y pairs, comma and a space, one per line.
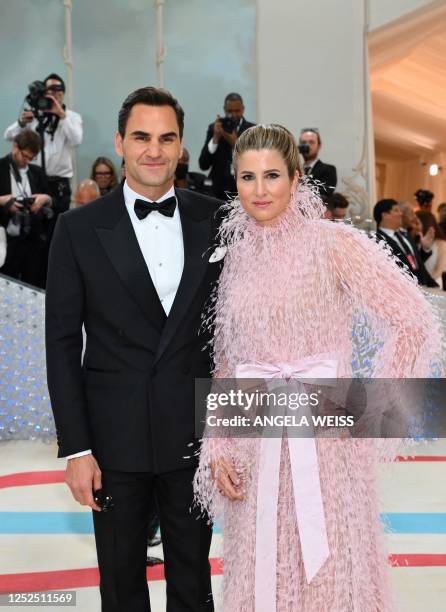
25, 411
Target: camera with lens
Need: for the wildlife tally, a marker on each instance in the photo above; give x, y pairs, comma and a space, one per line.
304, 149
37, 97
24, 217
229, 124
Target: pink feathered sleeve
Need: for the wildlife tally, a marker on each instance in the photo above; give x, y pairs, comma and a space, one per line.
400, 314
213, 447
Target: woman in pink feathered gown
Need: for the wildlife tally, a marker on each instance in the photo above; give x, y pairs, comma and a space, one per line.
291, 287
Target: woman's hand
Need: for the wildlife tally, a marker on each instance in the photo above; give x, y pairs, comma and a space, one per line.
227, 479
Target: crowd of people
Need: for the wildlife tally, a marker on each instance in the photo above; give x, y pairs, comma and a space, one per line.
35, 186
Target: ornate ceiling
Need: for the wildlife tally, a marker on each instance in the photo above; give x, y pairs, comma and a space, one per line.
408, 83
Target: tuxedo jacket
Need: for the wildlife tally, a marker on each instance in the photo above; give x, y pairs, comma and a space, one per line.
422, 275
37, 183
326, 174
132, 399
220, 162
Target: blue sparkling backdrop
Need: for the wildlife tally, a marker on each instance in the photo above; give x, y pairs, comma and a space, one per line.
25, 411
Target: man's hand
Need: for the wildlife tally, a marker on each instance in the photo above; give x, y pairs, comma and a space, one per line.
83, 476
428, 239
40, 199
56, 108
218, 130
231, 138
227, 479
15, 207
26, 117
4, 199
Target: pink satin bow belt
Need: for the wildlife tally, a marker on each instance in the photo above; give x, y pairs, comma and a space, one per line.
306, 485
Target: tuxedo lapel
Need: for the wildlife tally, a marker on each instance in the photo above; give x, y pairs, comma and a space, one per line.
196, 240
120, 243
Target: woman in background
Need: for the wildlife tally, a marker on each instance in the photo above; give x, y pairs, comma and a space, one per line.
104, 174
436, 263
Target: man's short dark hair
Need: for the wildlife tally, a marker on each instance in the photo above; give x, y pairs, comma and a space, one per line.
383, 206
234, 97
55, 77
150, 96
27, 139
336, 200
313, 131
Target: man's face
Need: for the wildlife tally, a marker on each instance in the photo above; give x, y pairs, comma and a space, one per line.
21, 157
151, 148
392, 219
234, 109
408, 217
339, 214
53, 88
310, 139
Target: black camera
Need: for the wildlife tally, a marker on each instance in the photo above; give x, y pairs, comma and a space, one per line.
22, 217
304, 149
37, 97
25, 202
229, 124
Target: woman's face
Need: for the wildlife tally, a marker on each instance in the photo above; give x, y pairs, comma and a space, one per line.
103, 176
263, 184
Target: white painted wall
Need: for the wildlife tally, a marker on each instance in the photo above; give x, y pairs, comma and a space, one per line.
311, 74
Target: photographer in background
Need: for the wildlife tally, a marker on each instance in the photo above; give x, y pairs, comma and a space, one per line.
62, 131
221, 137
323, 175
25, 210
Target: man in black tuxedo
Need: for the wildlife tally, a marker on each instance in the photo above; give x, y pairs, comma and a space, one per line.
133, 268
221, 137
388, 216
324, 175
24, 210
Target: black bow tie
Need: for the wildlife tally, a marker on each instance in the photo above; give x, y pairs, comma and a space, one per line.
166, 207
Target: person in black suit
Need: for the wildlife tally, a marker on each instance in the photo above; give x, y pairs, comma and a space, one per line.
24, 210
134, 269
221, 137
388, 216
323, 175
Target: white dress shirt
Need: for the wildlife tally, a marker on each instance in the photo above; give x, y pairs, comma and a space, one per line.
160, 239
400, 239
59, 149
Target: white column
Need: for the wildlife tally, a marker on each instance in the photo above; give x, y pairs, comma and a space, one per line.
68, 59
68, 53
160, 49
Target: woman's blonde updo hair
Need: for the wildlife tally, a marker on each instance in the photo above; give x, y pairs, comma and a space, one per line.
271, 137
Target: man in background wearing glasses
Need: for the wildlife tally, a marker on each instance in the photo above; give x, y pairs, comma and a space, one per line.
63, 132
25, 210
323, 175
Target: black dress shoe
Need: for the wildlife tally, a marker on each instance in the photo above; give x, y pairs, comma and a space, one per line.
151, 561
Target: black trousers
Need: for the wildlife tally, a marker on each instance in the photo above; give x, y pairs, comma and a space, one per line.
26, 260
121, 542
